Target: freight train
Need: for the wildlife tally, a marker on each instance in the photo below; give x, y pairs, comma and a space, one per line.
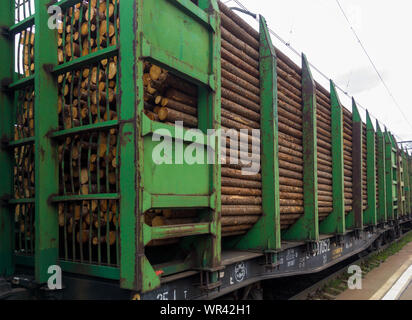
90, 96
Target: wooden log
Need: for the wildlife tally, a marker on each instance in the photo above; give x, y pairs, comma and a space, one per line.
181, 97
238, 220
239, 174
239, 210
240, 90
239, 44
167, 114
240, 183
241, 191
229, 56
290, 209
241, 200
226, 65
238, 109
240, 81
175, 105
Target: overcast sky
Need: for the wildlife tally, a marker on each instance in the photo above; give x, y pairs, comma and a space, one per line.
318, 28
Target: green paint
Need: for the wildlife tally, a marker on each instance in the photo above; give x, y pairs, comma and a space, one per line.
21, 142
335, 222
171, 47
401, 184
21, 83
6, 132
97, 196
167, 130
396, 179
370, 215
410, 181
390, 173
150, 280
46, 162
382, 215
169, 232
128, 153
86, 128
175, 201
355, 218
105, 272
407, 182
265, 234
20, 26
307, 227
86, 60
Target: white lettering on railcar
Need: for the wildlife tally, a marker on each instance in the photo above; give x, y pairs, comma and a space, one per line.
321, 247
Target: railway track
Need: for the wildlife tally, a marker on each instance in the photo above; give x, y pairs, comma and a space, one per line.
336, 282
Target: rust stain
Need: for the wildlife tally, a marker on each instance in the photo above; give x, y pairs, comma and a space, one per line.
41, 154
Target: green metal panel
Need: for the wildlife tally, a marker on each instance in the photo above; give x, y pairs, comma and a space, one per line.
46, 162
157, 177
370, 216
396, 179
407, 181
187, 50
6, 134
335, 222
307, 228
402, 180
265, 234
355, 218
131, 242
382, 214
389, 172
410, 181
208, 248
172, 47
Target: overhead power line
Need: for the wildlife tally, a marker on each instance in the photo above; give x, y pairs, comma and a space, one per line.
373, 64
320, 72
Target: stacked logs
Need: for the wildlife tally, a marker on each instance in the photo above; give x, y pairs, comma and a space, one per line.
24, 224
24, 126
26, 40
88, 163
241, 194
88, 95
168, 98
364, 165
23, 187
347, 158
94, 221
324, 152
290, 125
87, 27
23, 172
23, 169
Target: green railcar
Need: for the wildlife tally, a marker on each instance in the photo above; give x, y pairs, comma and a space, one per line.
80, 172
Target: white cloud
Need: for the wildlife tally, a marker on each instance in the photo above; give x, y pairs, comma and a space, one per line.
321, 31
